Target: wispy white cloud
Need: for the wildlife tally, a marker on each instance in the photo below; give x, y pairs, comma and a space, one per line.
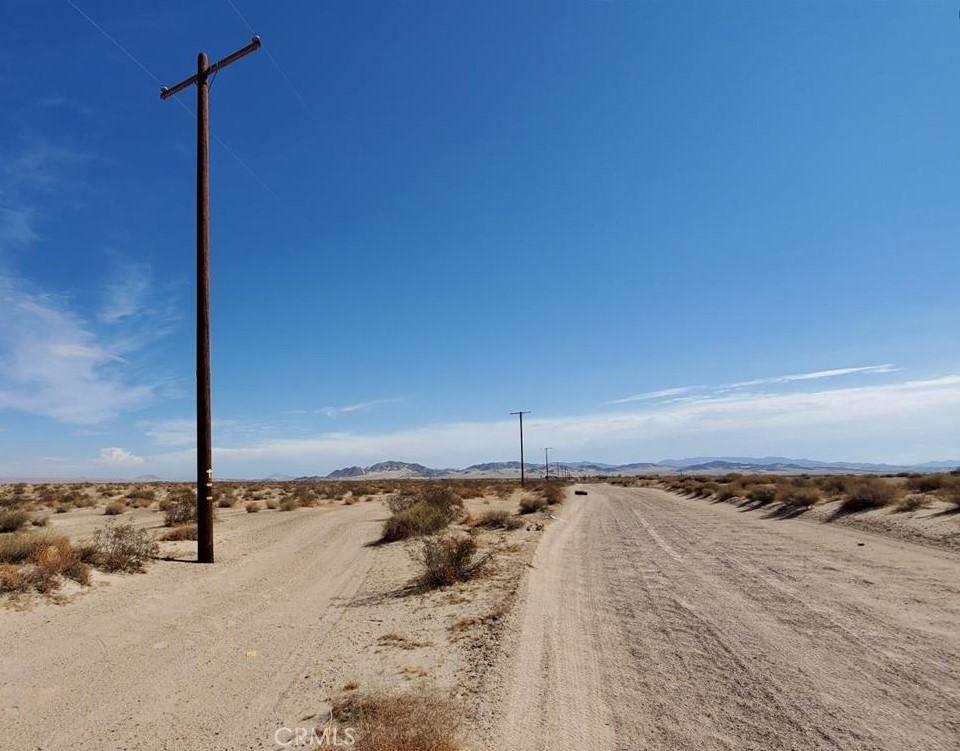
118, 456
126, 293
357, 407
53, 363
736, 385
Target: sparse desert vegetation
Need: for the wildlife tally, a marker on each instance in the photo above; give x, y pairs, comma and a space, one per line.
448, 559
391, 721
852, 498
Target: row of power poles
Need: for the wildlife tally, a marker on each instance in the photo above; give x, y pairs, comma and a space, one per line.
546, 452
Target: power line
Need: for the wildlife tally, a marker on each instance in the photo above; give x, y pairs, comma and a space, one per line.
113, 41
273, 60
250, 171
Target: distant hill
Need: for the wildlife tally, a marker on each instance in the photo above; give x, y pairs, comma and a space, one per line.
394, 469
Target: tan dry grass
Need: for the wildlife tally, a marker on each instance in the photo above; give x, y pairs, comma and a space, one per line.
409, 721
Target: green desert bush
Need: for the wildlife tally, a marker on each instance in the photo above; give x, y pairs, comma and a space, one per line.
426, 513
123, 547
180, 507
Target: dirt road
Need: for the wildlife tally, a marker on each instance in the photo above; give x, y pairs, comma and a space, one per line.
657, 622
189, 656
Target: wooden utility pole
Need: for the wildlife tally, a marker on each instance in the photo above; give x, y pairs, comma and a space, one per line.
204, 431
521, 414
546, 463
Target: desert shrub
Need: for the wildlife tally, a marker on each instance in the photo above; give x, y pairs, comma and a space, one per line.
13, 520
41, 521
834, 484
123, 547
432, 509
253, 507
398, 502
442, 497
412, 721
289, 504
272, 503
529, 504
498, 520
36, 561
911, 502
114, 508
446, 560
419, 519
225, 498
552, 494
762, 494
868, 493
179, 508
726, 493
80, 500
183, 532
927, 483
798, 497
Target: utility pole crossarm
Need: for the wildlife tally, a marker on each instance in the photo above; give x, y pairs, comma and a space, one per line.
166, 93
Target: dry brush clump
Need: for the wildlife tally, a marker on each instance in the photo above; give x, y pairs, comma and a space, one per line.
532, 503
39, 561
498, 520
866, 494
408, 721
448, 559
13, 519
797, 497
115, 508
176, 534
428, 512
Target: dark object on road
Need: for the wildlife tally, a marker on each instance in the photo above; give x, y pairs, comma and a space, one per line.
579, 492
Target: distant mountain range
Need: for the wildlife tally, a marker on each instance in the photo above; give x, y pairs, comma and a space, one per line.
701, 464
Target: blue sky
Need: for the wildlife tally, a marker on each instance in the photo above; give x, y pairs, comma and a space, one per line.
667, 229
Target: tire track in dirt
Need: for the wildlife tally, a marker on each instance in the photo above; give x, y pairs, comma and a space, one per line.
710, 629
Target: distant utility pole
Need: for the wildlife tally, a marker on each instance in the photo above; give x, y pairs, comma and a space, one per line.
204, 438
546, 463
521, 414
